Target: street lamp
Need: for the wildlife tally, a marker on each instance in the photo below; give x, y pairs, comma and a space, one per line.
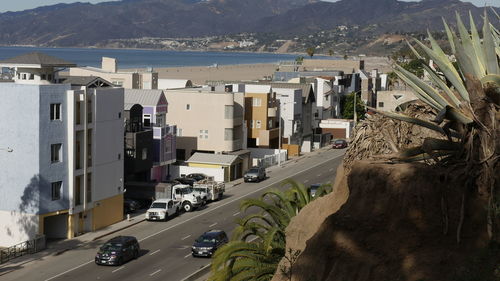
8, 149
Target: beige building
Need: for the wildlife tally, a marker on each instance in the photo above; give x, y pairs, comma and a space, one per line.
207, 121
261, 109
128, 80
391, 100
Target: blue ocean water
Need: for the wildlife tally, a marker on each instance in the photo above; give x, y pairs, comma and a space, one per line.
133, 58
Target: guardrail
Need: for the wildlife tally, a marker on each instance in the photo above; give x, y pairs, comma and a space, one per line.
24, 248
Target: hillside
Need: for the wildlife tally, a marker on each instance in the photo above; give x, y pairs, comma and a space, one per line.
84, 24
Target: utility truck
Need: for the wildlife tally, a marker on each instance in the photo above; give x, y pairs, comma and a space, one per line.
209, 189
186, 196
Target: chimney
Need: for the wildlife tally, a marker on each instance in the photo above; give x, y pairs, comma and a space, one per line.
109, 64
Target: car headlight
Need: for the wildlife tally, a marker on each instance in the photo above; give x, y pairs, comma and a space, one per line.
112, 257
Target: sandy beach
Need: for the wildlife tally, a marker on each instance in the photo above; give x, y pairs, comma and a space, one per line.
200, 74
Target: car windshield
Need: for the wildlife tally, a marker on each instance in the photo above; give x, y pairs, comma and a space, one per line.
159, 205
253, 170
199, 189
339, 142
205, 239
111, 247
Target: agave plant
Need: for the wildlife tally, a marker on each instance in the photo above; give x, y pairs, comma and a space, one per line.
466, 100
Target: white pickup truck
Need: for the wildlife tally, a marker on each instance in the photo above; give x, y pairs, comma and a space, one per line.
162, 209
186, 196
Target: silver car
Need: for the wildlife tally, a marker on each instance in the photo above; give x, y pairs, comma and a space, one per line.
255, 174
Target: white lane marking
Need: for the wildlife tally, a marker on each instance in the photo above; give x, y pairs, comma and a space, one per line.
213, 224
118, 269
155, 272
331, 169
187, 256
154, 252
319, 175
235, 214
306, 181
186, 237
69, 270
207, 211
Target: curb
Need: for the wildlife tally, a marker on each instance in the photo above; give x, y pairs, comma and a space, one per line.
118, 229
200, 272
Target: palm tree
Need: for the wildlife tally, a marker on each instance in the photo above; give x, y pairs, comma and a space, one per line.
466, 104
259, 241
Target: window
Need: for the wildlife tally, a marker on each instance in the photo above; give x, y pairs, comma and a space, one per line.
228, 112
160, 120
256, 102
119, 115
55, 153
55, 111
56, 190
179, 132
119, 156
89, 111
270, 124
24, 76
188, 106
144, 153
32, 76
381, 104
89, 187
49, 77
258, 124
146, 120
228, 134
251, 124
43, 77
89, 147
203, 134
118, 83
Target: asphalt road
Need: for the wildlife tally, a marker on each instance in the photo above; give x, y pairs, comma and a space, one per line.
166, 246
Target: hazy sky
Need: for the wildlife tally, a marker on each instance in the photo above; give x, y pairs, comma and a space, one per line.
19, 5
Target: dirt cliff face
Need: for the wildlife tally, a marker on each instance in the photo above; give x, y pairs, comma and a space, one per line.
380, 223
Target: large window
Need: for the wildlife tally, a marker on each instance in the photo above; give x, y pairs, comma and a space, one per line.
228, 134
258, 124
256, 102
228, 112
55, 153
56, 190
55, 111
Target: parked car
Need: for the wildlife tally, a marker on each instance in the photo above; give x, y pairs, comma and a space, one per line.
197, 176
184, 180
130, 206
255, 174
340, 144
208, 243
118, 250
162, 209
313, 188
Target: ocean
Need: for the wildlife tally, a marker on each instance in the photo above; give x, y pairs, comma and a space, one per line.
133, 58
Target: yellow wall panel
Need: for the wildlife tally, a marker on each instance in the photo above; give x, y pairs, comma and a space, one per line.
107, 212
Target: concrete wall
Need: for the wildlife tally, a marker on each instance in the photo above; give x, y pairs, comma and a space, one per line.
390, 100
108, 144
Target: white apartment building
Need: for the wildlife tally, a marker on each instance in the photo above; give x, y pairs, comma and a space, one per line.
62, 156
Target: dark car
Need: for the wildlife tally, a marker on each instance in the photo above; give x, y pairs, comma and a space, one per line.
118, 250
208, 243
197, 176
255, 174
186, 181
313, 188
340, 144
130, 206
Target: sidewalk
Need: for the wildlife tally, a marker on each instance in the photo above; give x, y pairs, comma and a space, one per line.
55, 248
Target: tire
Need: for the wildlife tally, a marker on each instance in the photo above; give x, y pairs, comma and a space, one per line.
120, 261
136, 254
187, 207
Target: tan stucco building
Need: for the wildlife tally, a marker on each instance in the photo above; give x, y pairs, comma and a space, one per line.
261, 108
128, 80
207, 121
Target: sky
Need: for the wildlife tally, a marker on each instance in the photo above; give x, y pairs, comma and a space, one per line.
19, 5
